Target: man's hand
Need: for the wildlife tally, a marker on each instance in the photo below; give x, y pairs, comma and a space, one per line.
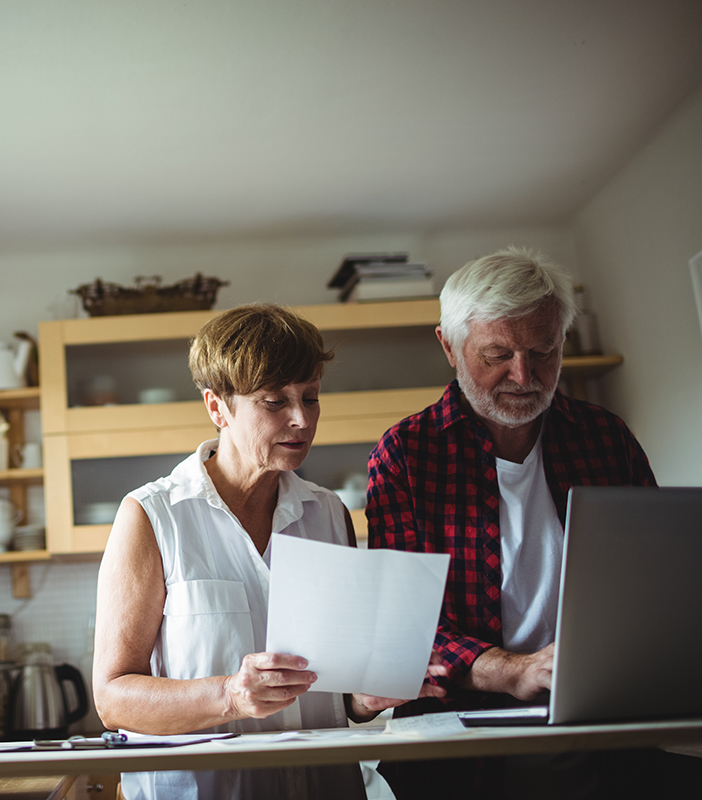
266, 683
523, 676
364, 707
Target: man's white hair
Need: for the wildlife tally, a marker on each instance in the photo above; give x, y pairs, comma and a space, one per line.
505, 285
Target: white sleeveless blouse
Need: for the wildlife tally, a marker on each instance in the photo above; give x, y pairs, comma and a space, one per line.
215, 613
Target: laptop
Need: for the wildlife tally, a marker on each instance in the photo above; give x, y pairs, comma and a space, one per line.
629, 625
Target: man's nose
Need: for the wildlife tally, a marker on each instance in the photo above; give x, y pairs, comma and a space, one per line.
520, 369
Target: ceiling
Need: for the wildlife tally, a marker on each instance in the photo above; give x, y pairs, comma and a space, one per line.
154, 119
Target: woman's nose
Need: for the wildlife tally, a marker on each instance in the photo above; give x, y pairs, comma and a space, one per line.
299, 416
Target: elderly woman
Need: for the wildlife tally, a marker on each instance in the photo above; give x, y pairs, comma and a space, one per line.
188, 558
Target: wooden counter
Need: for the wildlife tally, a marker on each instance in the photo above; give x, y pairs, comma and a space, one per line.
352, 745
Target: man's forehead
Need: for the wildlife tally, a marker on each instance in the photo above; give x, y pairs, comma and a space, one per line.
527, 331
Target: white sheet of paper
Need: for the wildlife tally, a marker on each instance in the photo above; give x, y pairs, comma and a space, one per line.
428, 725
365, 620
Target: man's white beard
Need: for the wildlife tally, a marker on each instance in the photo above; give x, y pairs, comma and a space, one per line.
508, 411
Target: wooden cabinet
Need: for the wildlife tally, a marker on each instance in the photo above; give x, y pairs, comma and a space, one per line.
95, 787
388, 365
80, 439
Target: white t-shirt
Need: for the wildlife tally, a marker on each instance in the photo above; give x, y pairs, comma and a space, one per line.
531, 542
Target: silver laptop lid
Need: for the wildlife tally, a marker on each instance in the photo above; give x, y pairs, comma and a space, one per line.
629, 627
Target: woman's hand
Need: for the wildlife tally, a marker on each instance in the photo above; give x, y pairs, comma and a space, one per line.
364, 707
265, 684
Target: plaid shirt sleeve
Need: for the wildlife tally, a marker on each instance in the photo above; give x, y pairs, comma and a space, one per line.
418, 501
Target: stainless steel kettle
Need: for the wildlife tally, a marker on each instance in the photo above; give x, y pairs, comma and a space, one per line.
38, 706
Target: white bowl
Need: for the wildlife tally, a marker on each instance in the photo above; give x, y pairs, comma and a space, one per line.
157, 395
99, 513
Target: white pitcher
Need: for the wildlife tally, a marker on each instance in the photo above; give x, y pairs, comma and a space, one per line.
14, 362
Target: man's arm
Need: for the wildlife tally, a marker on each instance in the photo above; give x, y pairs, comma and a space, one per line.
392, 524
522, 676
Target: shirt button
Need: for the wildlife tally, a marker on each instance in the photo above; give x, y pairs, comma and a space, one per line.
486, 458
492, 575
489, 517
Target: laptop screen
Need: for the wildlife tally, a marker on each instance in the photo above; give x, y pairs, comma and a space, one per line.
629, 627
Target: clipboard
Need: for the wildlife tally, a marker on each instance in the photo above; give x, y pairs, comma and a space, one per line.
111, 740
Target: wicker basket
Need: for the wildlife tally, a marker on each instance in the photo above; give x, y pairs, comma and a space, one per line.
101, 299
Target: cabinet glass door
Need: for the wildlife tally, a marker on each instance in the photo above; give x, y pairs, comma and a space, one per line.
119, 373
99, 484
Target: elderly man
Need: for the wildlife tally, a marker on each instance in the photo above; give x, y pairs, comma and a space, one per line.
483, 475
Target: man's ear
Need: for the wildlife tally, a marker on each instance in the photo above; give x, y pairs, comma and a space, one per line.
447, 347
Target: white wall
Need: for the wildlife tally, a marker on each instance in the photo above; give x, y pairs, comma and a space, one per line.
289, 270
634, 241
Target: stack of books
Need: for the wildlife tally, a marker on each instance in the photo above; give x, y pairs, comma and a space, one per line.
381, 276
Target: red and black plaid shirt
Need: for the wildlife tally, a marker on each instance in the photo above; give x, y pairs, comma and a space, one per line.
433, 488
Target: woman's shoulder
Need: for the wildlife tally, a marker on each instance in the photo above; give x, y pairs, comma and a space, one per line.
188, 478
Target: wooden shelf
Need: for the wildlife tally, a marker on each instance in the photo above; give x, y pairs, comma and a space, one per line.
350, 407
26, 476
183, 324
590, 366
14, 402
19, 556
577, 370
20, 398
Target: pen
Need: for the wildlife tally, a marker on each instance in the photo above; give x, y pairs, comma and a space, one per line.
113, 738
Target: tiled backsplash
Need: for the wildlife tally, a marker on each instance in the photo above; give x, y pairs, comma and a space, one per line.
60, 610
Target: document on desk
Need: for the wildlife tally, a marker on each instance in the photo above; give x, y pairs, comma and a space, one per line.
365, 620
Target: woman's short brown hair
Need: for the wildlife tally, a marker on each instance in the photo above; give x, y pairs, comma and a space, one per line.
256, 346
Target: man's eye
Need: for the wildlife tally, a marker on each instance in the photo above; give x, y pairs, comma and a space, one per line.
311, 401
542, 356
274, 403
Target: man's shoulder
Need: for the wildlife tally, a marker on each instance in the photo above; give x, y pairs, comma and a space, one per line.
430, 421
583, 413
588, 421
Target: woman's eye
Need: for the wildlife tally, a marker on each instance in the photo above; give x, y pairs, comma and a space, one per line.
274, 403
311, 401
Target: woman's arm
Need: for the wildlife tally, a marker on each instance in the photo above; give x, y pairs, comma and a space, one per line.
131, 597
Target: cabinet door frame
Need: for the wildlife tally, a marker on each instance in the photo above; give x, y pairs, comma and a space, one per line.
63, 535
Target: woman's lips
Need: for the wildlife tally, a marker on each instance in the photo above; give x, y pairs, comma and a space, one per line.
292, 445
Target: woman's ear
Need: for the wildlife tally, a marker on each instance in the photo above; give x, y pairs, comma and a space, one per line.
215, 408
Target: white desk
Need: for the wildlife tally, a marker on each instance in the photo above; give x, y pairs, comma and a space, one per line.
352, 745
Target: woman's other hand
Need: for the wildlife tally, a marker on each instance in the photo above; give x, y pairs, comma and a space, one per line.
265, 684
